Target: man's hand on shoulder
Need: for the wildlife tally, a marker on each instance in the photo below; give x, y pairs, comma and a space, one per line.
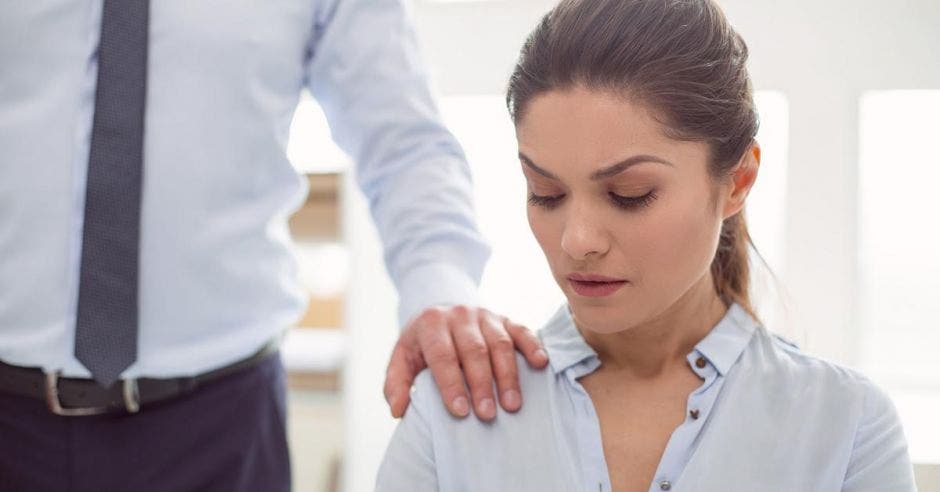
461, 343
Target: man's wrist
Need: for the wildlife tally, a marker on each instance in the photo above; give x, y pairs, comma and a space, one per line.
434, 284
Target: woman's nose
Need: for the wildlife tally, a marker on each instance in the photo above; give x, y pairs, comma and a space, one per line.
582, 237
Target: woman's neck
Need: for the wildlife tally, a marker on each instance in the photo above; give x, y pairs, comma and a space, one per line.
658, 346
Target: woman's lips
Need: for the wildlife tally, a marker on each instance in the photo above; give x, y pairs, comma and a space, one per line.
590, 285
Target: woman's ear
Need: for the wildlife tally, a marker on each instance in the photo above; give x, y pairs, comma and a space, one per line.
742, 180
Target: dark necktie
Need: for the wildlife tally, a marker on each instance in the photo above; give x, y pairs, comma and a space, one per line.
106, 328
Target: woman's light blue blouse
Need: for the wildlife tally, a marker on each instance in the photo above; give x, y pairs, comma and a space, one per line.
766, 418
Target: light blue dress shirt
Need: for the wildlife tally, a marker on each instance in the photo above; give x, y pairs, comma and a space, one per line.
770, 419
217, 274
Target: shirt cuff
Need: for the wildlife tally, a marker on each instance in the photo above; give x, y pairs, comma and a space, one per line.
434, 284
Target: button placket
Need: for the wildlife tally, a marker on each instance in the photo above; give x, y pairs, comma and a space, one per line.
589, 424
697, 407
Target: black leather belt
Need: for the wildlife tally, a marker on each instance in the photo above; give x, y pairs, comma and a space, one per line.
74, 397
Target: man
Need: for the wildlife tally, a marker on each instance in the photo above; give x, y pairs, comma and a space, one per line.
144, 261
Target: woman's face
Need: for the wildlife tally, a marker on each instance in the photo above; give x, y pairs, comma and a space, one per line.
628, 218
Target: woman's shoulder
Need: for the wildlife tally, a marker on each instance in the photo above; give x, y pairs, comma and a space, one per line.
519, 450
827, 416
817, 389
534, 383
439, 451
783, 358
427, 396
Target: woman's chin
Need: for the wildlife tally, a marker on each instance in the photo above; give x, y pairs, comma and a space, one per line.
601, 318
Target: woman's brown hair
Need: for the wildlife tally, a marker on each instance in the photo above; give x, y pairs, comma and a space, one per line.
680, 58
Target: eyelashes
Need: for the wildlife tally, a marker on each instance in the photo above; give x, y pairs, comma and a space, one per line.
629, 203
633, 202
545, 201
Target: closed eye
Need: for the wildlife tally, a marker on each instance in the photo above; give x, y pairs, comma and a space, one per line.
632, 202
546, 201
623, 202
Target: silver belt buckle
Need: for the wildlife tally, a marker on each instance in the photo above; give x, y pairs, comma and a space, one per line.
131, 398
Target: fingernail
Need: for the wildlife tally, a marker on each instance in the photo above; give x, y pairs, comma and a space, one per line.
512, 399
487, 407
461, 406
541, 353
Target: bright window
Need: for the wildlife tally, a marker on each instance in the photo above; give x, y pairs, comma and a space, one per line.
899, 271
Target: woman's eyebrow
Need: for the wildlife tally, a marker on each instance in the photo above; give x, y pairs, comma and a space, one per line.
528, 162
603, 173
626, 164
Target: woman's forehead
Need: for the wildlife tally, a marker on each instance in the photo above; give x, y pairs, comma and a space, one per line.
591, 130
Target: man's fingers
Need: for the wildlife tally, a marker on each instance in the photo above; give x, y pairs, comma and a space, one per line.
439, 351
399, 377
527, 343
462, 344
474, 355
503, 359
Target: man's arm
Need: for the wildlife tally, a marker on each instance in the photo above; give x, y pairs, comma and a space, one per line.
367, 75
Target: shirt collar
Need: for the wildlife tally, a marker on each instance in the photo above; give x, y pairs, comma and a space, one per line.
563, 342
721, 347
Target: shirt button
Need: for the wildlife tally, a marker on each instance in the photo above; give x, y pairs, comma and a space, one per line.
700, 362
694, 414
665, 485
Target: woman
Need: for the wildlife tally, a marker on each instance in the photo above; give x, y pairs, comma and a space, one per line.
636, 126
